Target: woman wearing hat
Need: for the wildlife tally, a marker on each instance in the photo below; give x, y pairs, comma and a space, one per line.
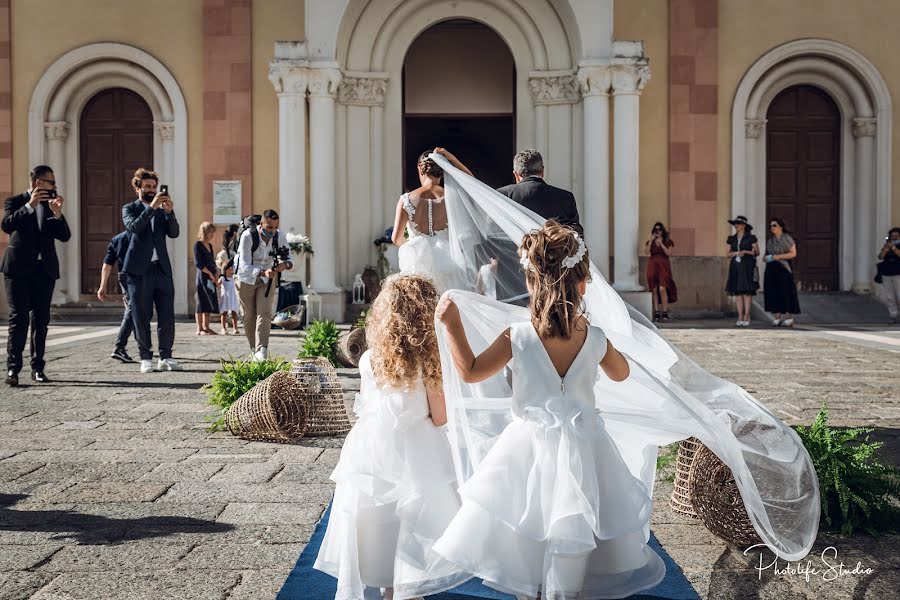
743, 280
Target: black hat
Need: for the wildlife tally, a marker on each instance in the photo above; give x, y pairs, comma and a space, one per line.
741, 219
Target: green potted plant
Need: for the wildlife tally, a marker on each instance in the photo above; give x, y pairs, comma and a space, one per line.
320, 340
233, 380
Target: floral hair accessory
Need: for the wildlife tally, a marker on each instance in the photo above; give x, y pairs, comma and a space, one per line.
525, 261
570, 261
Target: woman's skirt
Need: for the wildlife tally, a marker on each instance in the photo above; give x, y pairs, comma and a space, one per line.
780, 291
742, 280
659, 275
207, 297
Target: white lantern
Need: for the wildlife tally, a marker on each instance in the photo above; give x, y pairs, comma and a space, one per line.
312, 299
359, 290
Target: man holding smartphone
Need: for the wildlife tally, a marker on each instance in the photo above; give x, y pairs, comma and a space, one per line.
150, 220
34, 221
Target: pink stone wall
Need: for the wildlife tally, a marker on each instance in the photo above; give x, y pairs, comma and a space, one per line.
693, 124
6, 175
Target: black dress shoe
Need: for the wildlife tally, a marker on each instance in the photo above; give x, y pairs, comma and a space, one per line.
39, 377
12, 378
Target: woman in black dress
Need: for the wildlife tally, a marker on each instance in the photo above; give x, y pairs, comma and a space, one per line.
743, 278
779, 289
207, 281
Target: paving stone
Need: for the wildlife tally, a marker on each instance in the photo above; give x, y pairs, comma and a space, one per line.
184, 491
303, 473
208, 556
11, 471
170, 584
259, 584
86, 472
113, 492
144, 556
248, 473
19, 558
276, 513
19, 585
297, 454
173, 472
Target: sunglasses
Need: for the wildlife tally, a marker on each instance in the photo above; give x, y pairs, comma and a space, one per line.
657, 231
774, 225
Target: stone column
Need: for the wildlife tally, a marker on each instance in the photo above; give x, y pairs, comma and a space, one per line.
595, 83
753, 132
627, 82
553, 94
290, 78
323, 84
178, 248
68, 286
864, 129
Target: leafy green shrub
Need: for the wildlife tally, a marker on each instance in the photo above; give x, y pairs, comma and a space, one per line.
858, 491
234, 379
321, 338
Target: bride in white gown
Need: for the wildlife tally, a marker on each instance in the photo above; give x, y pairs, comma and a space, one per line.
421, 227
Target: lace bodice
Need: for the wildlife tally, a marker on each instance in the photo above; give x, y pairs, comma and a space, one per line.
429, 226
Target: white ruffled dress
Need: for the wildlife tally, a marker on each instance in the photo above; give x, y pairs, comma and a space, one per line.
395, 495
553, 507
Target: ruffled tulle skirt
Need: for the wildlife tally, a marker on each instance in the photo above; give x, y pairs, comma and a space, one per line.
554, 508
395, 495
430, 256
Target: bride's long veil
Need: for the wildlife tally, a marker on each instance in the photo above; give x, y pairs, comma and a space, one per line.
667, 398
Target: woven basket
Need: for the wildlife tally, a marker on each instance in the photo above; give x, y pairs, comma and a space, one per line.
290, 317
321, 393
717, 500
680, 501
271, 411
350, 347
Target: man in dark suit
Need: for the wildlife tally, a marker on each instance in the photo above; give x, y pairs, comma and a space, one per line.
532, 192
34, 221
115, 256
150, 220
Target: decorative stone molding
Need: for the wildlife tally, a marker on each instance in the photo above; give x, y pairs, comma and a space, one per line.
753, 127
289, 77
166, 129
595, 81
56, 130
630, 78
323, 82
554, 87
864, 126
363, 89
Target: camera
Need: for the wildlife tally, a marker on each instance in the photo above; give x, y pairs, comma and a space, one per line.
895, 243
163, 190
51, 194
279, 254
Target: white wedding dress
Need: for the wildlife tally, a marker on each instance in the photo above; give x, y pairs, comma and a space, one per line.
427, 251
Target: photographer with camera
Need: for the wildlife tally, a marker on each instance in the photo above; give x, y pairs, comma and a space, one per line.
889, 272
261, 258
34, 222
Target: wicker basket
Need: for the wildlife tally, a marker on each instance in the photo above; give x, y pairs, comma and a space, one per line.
717, 500
291, 317
271, 411
350, 347
321, 393
680, 500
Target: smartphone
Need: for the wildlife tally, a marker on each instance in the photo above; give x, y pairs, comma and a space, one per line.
51, 194
163, 190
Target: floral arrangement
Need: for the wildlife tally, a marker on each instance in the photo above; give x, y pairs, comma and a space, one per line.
299, 243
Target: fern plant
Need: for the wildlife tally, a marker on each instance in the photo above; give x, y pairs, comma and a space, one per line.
321, 338
858, 491
233, 380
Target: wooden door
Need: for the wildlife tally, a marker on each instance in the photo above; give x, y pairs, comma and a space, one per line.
803, 149
116, 137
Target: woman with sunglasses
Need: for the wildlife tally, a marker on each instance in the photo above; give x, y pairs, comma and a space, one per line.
779, 288
743, 278
659, 272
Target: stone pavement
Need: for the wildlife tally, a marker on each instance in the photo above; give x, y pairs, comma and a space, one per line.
110, 487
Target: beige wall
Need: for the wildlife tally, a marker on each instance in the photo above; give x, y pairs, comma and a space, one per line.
750, 29
273, 20
648, 20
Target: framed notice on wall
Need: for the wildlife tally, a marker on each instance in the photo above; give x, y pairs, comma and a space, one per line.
226, 202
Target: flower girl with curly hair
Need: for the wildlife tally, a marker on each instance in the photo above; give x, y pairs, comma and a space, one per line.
396, 486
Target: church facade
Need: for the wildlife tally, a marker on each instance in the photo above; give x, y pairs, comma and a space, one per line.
687, 112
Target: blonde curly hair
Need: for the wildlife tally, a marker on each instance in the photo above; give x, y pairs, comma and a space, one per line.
400, 333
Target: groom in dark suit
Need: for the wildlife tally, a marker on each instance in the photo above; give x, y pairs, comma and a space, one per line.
532, 192
150, 220
34, 221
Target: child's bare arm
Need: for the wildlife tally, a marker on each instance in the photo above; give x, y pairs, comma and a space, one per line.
614, 364
472, 369
438, 407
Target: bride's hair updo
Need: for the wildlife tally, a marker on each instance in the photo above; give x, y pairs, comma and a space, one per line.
555, 298
400, 333
428, 166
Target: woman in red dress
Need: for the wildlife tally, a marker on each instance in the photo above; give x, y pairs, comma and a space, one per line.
659, 272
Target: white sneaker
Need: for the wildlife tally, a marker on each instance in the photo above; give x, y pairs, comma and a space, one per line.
739, 324
168, 364
777, 323
146, 366
261, 354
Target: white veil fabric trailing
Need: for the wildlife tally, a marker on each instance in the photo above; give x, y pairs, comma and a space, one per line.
667, 398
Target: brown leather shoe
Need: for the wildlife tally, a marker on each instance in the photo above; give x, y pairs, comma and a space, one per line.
12, 378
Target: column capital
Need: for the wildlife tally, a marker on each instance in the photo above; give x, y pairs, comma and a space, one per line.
289, 77
56, 130
553, 87
753, 128
864, 126
324, 82
595, 80
630, 78
166, 129
362, 89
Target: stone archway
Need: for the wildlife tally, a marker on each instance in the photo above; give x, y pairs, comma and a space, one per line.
866, 125
53, 138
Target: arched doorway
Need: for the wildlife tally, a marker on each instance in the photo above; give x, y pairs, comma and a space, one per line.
116, 137
459, 83
803, 134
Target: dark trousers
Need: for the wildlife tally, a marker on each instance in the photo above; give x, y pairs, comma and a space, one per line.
29, 302
153, 289
127, 326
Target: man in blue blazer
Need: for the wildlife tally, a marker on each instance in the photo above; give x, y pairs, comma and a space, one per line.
150, 220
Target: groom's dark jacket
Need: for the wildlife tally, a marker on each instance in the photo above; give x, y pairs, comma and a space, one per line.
546, 200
